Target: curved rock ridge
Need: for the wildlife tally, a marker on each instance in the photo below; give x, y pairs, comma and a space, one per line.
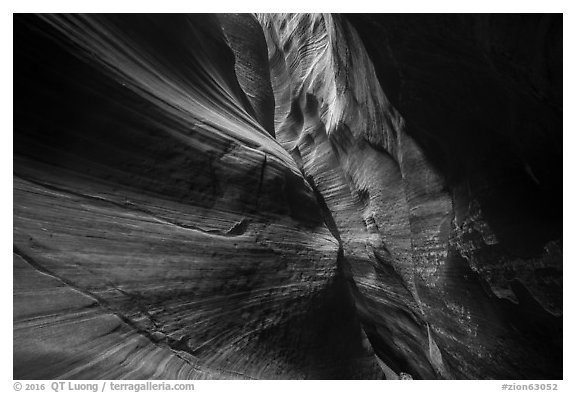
159, 230
440, 289
287, 196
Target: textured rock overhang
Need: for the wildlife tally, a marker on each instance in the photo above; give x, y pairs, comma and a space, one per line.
287, 196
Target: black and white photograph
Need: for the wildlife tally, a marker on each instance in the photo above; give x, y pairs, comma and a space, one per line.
287, 196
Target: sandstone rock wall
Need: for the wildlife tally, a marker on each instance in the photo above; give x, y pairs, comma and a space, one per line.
456, 262
159, 230
287, 196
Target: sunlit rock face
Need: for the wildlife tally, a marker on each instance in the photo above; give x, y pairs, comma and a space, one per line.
287, 196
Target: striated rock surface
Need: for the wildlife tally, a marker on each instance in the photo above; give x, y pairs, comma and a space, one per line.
287, 196
452, 241
159, 230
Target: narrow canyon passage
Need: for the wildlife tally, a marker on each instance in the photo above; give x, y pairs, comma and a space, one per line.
273, 196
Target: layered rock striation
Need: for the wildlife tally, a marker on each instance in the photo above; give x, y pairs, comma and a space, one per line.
450, 257
159, 230
286, 196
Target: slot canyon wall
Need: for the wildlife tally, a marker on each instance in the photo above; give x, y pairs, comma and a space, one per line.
281, 196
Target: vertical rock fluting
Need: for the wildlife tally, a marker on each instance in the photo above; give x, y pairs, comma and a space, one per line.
159, 230
451, 279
